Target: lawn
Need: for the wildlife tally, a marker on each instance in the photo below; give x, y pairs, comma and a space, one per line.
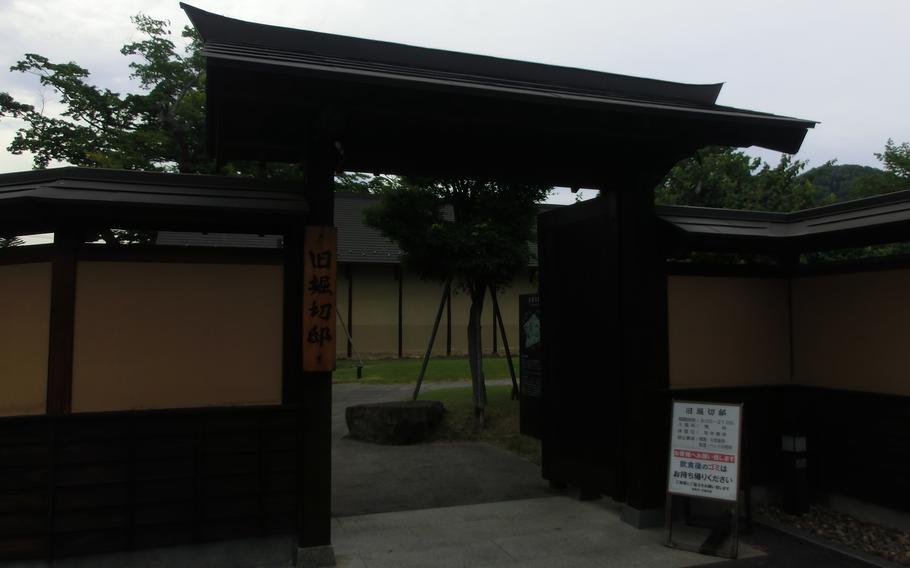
501, 428
398, 371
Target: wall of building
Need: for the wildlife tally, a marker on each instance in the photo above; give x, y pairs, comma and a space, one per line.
172, 335
25, 300
421, 302
852, 331
375, 312
728, 331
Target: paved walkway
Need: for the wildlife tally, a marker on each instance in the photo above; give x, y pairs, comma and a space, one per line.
551, 532
474, 505
370, 478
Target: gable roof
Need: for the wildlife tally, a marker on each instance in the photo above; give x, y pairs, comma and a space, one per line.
449, 113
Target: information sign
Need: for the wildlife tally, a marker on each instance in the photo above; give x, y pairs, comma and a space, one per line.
704, 450
319, 281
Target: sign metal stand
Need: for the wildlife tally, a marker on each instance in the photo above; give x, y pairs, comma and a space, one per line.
705, 463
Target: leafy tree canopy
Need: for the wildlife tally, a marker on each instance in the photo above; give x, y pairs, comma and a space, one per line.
157, 129
728, 178
473, 233
838, 178
895, 177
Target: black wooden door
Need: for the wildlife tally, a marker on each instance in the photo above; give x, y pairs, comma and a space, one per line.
580, 327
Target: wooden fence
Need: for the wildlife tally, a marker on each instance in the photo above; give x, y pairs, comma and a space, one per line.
89, 483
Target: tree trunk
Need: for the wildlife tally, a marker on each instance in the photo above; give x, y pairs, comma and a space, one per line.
475, 352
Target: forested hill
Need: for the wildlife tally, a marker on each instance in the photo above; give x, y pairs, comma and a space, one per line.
841, 180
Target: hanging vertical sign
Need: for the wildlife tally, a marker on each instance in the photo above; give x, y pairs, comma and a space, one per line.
319, 288
704, 450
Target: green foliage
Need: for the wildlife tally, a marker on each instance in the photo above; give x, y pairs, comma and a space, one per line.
727, 178
896, 159
474, 233
158, 129
856, 253
502, 426
7, 242
364, 183
896, 176
484, 241
838, 179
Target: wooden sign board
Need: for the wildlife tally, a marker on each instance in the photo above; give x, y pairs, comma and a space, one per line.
320, 264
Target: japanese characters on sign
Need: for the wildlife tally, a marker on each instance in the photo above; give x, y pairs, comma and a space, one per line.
319, 273
704, 450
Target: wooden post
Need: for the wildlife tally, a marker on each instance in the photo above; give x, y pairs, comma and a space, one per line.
62, 321
497, 317
349, 271
426, 357
399, 274
314, 473
449, 323
643, 341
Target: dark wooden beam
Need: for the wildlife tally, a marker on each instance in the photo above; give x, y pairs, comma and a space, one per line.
26, 254
493, 321
643, 339
292, 322
399, 275
449, 323
349, 271
62, 321
315, 419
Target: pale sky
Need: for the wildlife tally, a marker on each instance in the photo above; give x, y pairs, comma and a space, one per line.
842, 63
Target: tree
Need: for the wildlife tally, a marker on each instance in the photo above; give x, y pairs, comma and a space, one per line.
6, 242
727, 178
896, 159
895, 177
156, 129
363, 183
480, 246
838, 178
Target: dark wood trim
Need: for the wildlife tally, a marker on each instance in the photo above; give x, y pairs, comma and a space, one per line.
399, 275
349, 271
726, 270
493, 322
449, 322
292, 316
789, 262
198, 255
26, 254
62, 321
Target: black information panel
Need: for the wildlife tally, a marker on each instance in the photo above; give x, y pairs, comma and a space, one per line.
530, 364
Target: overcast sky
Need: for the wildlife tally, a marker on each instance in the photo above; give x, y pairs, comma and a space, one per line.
842, 63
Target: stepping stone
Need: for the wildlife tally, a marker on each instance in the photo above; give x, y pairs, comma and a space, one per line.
394, 423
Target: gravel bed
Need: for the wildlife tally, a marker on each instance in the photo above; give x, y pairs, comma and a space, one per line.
890, 544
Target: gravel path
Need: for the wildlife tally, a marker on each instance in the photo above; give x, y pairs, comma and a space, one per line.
891, 544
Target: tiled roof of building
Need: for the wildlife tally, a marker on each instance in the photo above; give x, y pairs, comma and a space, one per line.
357, 242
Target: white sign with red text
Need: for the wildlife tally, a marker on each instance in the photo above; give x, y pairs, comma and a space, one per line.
704, 450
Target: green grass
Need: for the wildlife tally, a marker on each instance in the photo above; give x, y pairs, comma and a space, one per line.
399, 371
501, 426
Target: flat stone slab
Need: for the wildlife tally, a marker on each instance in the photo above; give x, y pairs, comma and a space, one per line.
394, 423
